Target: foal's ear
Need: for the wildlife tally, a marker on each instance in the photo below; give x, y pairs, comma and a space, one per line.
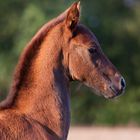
73, 15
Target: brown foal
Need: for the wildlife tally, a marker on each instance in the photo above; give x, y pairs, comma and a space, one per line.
63, 50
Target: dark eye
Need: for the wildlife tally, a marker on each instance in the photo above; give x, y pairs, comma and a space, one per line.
92, 50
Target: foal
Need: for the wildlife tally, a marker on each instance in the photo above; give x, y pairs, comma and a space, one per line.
37, 107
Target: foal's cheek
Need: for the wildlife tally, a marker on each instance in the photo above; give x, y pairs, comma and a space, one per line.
76, 67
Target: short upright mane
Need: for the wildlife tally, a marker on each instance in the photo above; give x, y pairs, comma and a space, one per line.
26, 58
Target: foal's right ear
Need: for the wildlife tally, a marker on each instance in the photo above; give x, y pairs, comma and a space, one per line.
73, 15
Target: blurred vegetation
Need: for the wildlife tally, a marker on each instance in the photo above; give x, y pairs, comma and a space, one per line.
116, 24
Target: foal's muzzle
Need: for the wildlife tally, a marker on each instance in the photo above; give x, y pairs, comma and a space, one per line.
118, 88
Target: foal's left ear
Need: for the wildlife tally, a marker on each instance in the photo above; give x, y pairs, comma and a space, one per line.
73, 15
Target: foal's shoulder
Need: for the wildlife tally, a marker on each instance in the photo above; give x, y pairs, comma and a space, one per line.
17, 125
10, 118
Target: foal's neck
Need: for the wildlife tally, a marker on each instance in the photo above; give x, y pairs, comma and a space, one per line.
44, 95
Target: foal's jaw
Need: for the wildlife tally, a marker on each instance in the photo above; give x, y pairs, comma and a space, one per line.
107, 88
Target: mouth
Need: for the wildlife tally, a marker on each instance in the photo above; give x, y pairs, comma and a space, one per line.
116, 92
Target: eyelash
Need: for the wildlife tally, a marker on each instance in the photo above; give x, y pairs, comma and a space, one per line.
92, 50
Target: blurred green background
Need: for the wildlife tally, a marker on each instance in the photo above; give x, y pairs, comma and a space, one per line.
116, 23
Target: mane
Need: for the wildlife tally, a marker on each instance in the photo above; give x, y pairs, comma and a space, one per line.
30, 52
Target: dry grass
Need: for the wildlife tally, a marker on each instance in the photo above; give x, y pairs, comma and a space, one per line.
104, 133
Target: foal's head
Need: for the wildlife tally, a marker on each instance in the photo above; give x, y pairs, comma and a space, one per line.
85, 60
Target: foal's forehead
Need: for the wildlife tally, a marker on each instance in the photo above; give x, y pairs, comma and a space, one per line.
84, 35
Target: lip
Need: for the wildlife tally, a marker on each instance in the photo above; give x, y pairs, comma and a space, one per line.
116, 92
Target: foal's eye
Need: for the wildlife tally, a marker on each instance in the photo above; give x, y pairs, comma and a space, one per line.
92, 50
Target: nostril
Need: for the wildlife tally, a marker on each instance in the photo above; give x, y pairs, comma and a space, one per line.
123, 84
